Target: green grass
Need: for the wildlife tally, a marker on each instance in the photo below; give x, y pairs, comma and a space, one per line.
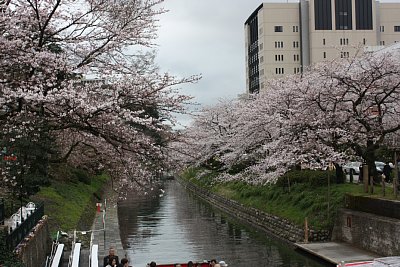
314, 202
70, 204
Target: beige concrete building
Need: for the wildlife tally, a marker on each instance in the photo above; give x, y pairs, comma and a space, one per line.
282, 38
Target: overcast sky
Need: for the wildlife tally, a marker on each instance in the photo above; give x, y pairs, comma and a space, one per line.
205, 37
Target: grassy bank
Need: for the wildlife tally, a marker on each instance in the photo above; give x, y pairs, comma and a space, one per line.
316, 201
70, 200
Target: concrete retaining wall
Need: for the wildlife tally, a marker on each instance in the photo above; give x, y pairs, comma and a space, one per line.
381, 207
36, 246
368, 231
270, 224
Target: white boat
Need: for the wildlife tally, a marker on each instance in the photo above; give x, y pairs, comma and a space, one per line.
379, 262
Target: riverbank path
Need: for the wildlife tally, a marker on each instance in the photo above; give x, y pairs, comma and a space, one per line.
109, 236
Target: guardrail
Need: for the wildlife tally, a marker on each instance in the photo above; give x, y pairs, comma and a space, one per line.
57, 259
76, 255
94, 258
23, 229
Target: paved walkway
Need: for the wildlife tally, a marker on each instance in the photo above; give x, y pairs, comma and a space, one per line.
109, 237
335, 252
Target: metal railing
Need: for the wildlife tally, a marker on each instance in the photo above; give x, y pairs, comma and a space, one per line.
23, 229
54, 248
57, 259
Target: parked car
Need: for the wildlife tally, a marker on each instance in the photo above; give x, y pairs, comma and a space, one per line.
352, 167
379, 166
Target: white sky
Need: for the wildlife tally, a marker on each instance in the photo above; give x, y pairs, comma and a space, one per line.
205, 37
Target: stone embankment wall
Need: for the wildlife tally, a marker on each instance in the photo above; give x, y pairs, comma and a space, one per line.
270, 224
36, 246
373, 232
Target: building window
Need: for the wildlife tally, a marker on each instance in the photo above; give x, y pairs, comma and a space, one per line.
364, 41
261, 46
343, 15
262, 59
262, 72
260, 31
296, 57
382, 42
278, 28
295, 44
323, 41
295, 28
344, 41
397, 28
279, 44
324, 54
323, 14
344, 54
278, 57
381, 28
363, 11
279, 71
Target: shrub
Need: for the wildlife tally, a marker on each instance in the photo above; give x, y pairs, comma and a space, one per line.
309, 177
7, 257
82, 175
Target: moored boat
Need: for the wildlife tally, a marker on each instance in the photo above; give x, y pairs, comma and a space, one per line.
379, 262
195, 264
200, 264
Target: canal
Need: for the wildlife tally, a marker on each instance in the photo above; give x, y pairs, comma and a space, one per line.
178, 227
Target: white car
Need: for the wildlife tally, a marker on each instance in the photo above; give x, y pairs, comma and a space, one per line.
379, 166
352, 167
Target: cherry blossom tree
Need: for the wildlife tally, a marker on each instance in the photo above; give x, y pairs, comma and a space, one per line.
335, 110
76, 70
354, 104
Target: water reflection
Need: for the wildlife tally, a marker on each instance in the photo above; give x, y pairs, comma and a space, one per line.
178, 227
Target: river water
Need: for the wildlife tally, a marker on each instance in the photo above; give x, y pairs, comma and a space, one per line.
178, 227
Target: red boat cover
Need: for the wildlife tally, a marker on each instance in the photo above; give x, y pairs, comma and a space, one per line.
203, 264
